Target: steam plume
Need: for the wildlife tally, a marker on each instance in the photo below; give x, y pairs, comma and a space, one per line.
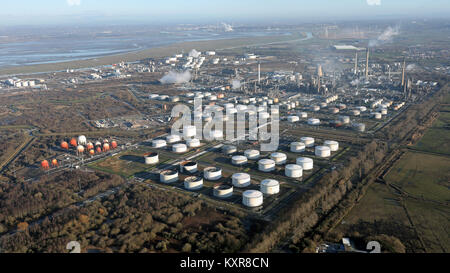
236, 84
194, 53
176, 77
385, 37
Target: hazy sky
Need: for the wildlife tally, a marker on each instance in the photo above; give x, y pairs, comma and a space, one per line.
67, 11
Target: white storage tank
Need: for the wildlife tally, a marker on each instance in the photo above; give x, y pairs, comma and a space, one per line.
355, 112
344, 119
377, 115
82, 140
179, 148
151, 158
293, 119
252, 154
193, 143
306, 163
188, 167
315, 108
309, 141
266, 165
193, 183
270, 186
241, 180
384, 111
279, 158
223, 191
239, 160
168, 176
334, 110
252, 198
334, 145
212, 173
303, 114
314, 121
159, 143
229, 149
173, 138
298, 147
293, 171
360, 127
323, 151
189, 131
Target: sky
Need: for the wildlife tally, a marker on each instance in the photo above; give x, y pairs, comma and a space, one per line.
152, 11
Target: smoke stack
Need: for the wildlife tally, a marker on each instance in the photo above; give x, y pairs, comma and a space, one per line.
403, 72
367, 63
259, 73
319, 74
356, 63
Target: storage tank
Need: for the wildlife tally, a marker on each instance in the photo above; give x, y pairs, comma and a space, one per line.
309, 141
173, 138
293, 119
298, 147
223, 191
355, 112
293, 171
168, 176
82, 140
252, 154
179, 148
384, 111
189, 131
323, 151
193, 183
159, 143
334, 110
266, 165
212, 173
252, 198
360, 127
189, 167
229, 149
344, 119
315, 108
314, 121
64, 145
270, 186
151, 158
342, 106
80, 149
303, 114
306, 163
377, 115
239, 160
279, 158
334, 145
241, 180
193, 143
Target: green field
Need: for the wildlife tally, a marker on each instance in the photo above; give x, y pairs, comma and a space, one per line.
437, 138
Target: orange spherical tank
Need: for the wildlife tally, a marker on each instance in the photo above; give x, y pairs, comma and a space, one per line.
64, 145
105, 147
55, 163
99, 150
80, 149
91, 152
114, 144
90, 146
45, 165
73, 142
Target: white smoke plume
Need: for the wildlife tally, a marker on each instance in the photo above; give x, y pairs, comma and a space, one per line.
227, 27
411, 67
176, 77
236, 84
373, 2
355, 82
73, 2
385, 37
194, 53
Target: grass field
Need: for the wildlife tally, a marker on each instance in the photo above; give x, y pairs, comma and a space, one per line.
437, 138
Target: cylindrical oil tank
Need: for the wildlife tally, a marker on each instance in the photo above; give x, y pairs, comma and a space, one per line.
384, 111
159, 143
323, 151
151, 158
193, 143
179, 148
241, 180
309, 141
252, 154
306, 163
188, 167
377, 115
223, 191
334, 145
303, 114
266, 165
212, 173
334, 110
82, 140
355, 112
293, 170
193, 183
270, 186
360, 127
173, 138
314, 121
298, 147
315, 108
229, 149
293, 119
362, 108
323, 104
239, 160
189, 131
279, 158
252, 198
344, 119
342, 106
168, 176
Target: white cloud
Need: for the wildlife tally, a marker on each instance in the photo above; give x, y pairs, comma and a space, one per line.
73, 2
373, 2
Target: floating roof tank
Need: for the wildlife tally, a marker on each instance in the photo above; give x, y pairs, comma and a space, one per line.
252, 198
241, 180
270, 186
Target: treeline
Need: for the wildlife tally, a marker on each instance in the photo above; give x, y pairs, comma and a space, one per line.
136, 219
27, 201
